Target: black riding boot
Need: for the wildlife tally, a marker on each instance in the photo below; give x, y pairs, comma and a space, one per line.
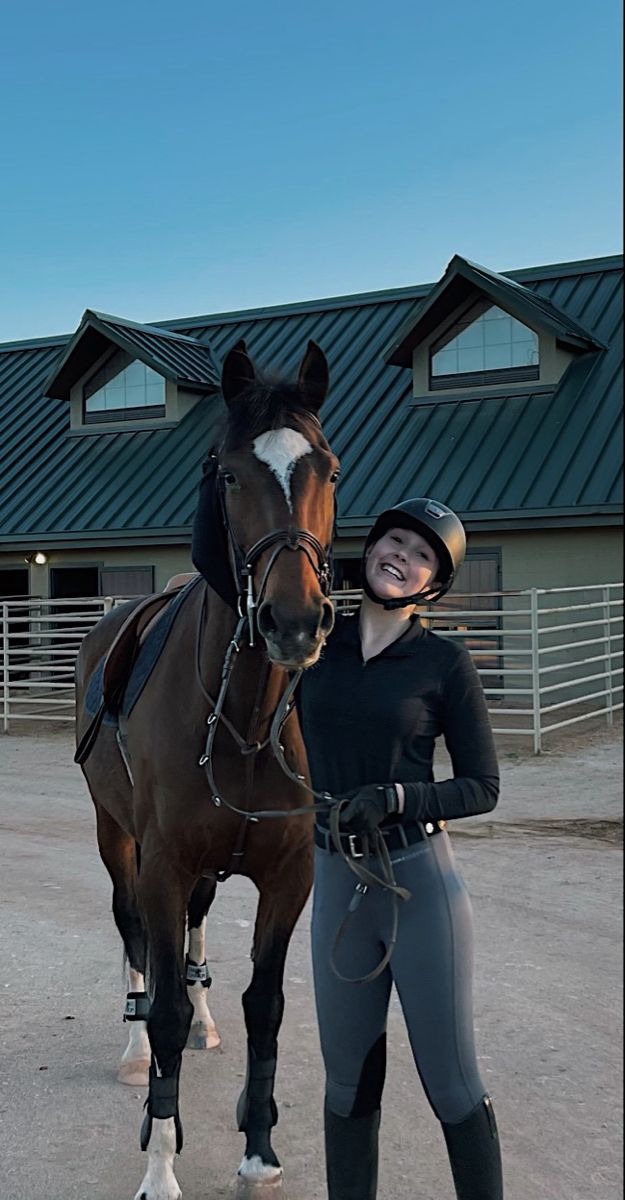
475, 1155
352, 1156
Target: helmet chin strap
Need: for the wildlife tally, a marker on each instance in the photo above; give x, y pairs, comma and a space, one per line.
432, 593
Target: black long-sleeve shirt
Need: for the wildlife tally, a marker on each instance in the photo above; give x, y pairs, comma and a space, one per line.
377, 721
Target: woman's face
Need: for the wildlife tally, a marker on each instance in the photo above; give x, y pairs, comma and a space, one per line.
401, 563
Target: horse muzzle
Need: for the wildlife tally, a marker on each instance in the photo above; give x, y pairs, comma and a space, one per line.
295, 642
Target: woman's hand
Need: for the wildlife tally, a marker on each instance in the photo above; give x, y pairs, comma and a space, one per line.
368, 806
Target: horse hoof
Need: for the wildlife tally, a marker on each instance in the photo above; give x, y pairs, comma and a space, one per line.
202, 1037
134, 1072
159, 1188
264, 1183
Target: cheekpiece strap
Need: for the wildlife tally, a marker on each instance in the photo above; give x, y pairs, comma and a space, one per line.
197, 973
137, 1006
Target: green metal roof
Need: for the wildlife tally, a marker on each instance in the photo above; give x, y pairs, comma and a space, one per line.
463, 279
535, 456
182, 359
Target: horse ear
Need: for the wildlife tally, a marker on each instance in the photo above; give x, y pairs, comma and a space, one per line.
314, 377
237, 373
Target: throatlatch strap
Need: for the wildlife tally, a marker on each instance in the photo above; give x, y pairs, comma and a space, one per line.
162, 1102
137, 1006
258, 1092
197, 972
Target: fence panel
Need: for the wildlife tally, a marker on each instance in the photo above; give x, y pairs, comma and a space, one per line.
40, 640
548, 658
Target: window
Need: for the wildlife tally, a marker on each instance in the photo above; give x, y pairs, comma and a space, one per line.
13, 583
126, 581
486, 345
123, 389
66, 583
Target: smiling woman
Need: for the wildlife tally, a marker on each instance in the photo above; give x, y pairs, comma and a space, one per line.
371, 710
401, 563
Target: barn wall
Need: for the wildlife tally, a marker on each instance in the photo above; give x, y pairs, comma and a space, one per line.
537, 558
166, 561
549, 558
543, 558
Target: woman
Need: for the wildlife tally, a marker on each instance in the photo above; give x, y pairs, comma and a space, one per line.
371, 710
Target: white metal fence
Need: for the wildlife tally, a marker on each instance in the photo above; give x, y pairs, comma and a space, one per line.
548, 658
40, 640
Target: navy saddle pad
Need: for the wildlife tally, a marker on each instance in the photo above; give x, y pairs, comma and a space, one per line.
143, 666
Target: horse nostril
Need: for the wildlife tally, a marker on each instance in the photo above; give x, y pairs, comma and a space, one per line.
326, 624
266, 623
291, 630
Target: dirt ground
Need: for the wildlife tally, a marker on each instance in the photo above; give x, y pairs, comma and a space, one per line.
544, 872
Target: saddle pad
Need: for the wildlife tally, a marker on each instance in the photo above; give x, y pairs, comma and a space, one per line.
146, 660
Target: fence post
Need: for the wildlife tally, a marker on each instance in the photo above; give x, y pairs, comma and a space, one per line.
608, 648
535, 670
5, 668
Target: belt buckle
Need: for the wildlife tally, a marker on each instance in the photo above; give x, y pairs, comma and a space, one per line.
353, 838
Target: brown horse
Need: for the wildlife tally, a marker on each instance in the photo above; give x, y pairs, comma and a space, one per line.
172, 820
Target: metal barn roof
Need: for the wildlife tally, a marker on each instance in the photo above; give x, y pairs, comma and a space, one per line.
179, 358
535, 457
461, 279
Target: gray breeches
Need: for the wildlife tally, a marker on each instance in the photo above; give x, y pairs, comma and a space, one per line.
432, 969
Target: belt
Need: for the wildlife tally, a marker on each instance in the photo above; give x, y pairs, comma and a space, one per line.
397, 837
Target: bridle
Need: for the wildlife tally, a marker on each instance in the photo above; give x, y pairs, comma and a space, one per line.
244, 562
244, 565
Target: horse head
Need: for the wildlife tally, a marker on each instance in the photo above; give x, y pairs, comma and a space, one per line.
277, 477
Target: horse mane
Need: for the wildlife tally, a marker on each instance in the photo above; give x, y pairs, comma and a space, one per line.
269, 403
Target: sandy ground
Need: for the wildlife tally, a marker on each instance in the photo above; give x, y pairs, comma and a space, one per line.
544, 872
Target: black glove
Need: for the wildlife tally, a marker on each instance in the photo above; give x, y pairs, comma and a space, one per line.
367, 807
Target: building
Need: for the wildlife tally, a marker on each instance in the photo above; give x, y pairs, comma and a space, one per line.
499, 394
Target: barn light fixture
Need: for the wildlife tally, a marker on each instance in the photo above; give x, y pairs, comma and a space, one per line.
37, 557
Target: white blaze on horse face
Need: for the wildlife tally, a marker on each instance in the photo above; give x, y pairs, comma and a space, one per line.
281, 450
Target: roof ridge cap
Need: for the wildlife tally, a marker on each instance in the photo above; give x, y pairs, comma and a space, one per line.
143, 326
324, 303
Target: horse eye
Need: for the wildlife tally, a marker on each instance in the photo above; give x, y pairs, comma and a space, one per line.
228, 478
335, 476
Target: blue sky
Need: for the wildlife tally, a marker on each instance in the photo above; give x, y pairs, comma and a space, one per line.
162, 160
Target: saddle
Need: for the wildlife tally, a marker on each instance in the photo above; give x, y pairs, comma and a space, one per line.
115, 671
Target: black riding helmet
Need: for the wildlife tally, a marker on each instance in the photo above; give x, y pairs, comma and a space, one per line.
439, 526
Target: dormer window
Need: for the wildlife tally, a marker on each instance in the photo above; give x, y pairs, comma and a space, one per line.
123, 389
121, 376
484, 346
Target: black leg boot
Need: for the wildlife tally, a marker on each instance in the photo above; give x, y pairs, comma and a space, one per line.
475, 1155
352, 1156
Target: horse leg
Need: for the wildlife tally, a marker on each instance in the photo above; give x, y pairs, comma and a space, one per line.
260, 1173
163, 898
203, 1033
119, 854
